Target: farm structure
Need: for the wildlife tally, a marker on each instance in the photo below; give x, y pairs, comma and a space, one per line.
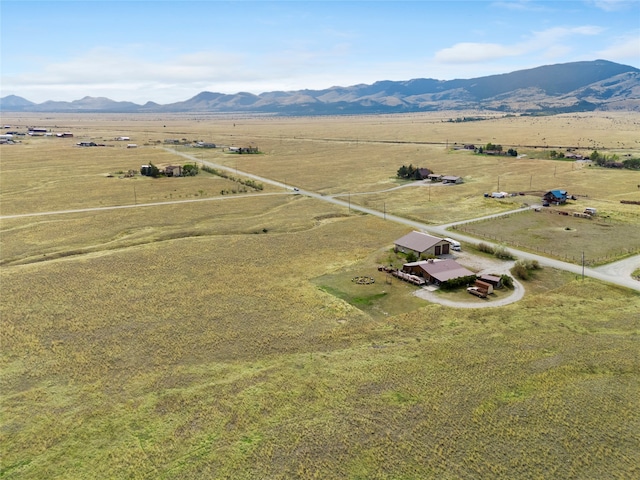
437, 271
485, 286
493, 280
445, 179
451, 179
423, 173
173, 171
422, 244
555, 197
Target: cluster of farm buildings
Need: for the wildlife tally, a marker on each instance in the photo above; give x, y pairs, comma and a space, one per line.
435, 270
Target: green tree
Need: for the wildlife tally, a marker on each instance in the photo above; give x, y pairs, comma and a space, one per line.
190, 170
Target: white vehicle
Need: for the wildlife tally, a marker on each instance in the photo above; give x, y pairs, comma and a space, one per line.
455, 245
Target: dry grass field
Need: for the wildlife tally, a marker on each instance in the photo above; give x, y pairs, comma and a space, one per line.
224, 338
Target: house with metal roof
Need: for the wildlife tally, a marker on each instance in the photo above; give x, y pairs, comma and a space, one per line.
437, 271
422, 244
555, 197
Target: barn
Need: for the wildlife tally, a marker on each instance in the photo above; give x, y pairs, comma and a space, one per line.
422, 244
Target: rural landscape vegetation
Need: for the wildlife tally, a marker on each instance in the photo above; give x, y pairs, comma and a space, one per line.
196, 294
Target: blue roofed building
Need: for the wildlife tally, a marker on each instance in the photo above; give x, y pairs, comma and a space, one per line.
556, 197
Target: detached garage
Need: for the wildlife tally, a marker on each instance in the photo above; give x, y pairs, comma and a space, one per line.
422, 244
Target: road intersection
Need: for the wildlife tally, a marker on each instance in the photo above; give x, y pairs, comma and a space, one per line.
617, 273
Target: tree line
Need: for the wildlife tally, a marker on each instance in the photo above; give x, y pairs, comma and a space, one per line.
412, 173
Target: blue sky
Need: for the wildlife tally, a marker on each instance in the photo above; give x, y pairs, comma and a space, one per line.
168, 51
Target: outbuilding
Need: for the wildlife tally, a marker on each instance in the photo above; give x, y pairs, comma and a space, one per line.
422, 244
493, 280
451, 179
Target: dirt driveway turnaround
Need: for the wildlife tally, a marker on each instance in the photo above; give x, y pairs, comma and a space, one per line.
482, 265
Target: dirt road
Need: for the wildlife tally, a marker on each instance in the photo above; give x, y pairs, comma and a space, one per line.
617, 273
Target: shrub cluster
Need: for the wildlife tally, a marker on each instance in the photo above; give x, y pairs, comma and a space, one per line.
458, 282
499, 252
507, 281
485, 248
248, 183
190, 170
523, 269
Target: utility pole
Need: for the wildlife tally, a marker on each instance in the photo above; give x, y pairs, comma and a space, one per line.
384, 211
135, 198
583, 265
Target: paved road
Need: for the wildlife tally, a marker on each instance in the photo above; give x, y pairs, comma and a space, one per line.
617, 273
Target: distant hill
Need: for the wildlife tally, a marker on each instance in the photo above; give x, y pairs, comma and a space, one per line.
568, 87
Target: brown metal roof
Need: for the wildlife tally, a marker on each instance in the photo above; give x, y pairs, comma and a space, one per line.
443, 270
418, 241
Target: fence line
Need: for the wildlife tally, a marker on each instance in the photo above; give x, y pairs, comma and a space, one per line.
566, 256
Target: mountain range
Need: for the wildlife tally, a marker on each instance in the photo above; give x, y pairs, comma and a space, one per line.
568, 87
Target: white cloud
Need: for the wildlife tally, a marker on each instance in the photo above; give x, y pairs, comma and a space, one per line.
521, 5
612, 5
475, 52
546, 42
624, 49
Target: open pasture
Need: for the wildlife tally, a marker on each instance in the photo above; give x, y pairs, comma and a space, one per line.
564, 236
225, 339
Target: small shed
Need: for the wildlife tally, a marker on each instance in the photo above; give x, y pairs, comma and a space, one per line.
451, 179
492, 280
484, 286
434, 177
173, 171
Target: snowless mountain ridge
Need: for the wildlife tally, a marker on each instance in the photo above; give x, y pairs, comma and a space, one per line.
568, 87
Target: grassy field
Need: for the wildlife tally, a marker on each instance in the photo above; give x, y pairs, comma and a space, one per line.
225, 338
564, 236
